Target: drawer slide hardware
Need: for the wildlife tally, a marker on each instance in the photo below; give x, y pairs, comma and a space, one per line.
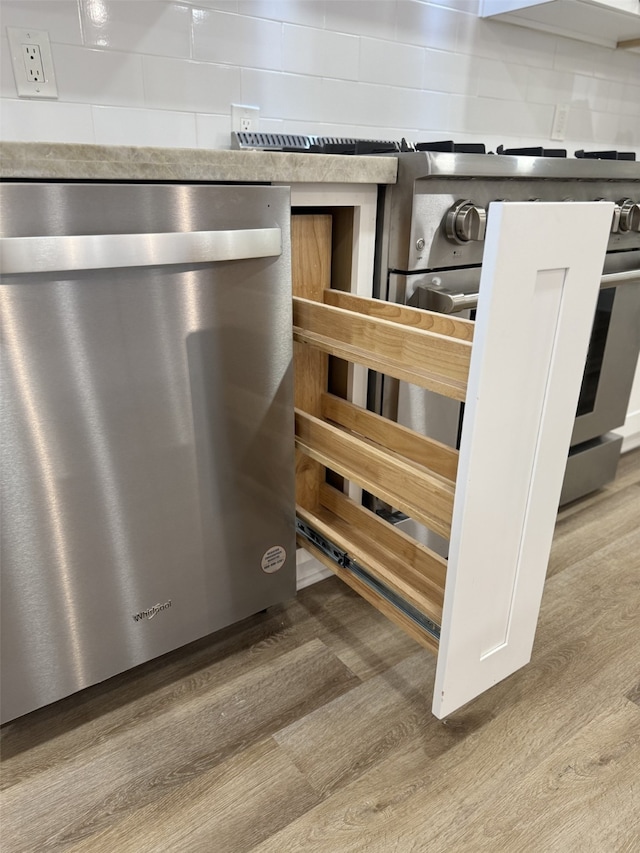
342, 559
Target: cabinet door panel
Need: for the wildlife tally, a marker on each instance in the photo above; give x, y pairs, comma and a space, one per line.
537, 300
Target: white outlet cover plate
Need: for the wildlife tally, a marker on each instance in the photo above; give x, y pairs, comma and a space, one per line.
27, 88
244, 117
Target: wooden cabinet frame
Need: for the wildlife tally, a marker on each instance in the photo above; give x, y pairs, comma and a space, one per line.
519, 368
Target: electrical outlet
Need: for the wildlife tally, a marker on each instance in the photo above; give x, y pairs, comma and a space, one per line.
244, 118
560, 121
32, 63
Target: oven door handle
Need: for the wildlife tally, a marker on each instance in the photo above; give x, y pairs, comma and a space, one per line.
613, 279
450, 303
109, 251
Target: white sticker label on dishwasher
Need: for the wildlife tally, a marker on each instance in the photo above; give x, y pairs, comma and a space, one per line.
273, 559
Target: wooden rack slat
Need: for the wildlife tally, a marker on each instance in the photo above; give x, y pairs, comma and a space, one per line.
374, 598
417, 561
426, 497
383, 565
627, 44
438, 457
417, 318
437, 362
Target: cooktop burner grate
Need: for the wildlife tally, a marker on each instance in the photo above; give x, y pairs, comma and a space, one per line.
346, 145
606, 155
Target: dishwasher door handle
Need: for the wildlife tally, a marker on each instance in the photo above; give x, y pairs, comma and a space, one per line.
109, 251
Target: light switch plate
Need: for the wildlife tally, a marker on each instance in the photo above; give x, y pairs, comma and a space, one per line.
560, 121
32, 63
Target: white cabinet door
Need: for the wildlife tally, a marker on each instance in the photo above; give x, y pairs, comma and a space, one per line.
540, 280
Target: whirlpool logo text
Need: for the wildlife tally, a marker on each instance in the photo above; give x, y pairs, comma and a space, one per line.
151, 612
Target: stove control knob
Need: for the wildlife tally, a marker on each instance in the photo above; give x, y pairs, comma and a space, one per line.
466, 222
615, 221
629, 215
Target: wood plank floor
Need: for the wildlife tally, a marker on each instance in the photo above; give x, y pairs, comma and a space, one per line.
308, 728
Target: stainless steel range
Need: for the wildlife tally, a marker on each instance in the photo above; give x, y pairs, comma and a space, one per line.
430, 247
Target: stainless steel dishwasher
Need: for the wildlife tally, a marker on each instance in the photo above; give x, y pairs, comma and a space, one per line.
146, 424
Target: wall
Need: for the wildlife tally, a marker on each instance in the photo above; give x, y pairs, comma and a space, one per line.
165, 73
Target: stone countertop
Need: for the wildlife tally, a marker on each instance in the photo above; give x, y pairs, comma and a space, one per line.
70, 161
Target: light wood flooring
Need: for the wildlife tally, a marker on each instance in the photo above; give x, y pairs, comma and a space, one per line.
308, 729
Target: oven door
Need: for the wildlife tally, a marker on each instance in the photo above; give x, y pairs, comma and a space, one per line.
611, 362
606, 384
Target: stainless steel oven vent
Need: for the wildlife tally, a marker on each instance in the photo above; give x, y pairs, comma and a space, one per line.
269, 141
293, 142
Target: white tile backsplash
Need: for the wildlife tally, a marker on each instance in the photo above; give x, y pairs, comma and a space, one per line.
434, 113
152, 72
605, 126
61, 18
307, 12
213, 131
482, 115
449, 72
497, 40
45, 121
545, 86
589, 60
377, 19
120, 126
626, 136
320, 53
237, 40
626, 66
391, 64
173, 84
358, 102
592, 127
591, 93
469, 6
7, 80
630, 100
138, 26
427, 25
284, 96
99, 76
220, 5
499, 79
